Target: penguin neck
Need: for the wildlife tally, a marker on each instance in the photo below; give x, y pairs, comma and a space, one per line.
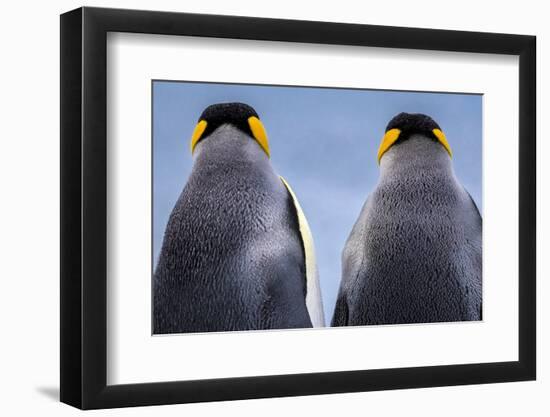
416, 156
228, 149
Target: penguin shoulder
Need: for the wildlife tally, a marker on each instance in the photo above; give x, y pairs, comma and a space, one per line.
353, 254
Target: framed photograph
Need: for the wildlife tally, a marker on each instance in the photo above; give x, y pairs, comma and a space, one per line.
257, 208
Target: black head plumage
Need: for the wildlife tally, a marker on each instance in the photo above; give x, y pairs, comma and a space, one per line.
413, 123
236, 114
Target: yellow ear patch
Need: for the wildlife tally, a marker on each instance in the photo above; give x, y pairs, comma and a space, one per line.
389, 139
197, 133
258, 130
443, 140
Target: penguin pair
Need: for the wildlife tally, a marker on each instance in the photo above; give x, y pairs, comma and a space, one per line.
238, 253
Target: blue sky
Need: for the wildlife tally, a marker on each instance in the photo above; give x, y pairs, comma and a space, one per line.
323, 141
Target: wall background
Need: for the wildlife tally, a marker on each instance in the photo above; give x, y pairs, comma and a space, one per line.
29, 225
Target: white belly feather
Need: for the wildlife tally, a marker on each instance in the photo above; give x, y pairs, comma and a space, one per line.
314, 302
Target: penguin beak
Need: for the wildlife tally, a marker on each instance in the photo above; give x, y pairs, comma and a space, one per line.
259, 133
388, 140
197, 133
443, 140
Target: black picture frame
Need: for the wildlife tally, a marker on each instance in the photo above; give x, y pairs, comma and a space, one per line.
84, 207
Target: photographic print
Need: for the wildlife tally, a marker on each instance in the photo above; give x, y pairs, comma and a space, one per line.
284, 207
338, 185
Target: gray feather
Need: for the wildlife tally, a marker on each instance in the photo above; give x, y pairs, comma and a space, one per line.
232, 258
414, 254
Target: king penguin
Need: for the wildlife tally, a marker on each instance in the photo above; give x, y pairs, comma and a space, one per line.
237, 252
414, 254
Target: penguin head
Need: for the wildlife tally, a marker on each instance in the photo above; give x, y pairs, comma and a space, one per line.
404, 125
238, 115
